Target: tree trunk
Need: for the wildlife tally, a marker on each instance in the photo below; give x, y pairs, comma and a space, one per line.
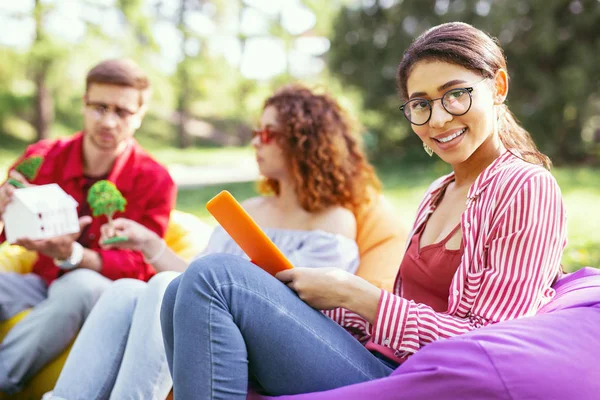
183, 139
44, 106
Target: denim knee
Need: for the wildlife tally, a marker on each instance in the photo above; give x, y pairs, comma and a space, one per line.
216, 268
122, 292
168, 302
158, 283
80, 284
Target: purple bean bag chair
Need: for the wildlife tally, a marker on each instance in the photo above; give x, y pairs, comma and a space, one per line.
552, 355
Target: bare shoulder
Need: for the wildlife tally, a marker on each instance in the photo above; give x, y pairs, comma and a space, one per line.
337, 220
255, 205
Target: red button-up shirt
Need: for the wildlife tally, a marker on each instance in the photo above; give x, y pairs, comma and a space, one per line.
146, 185
514, 234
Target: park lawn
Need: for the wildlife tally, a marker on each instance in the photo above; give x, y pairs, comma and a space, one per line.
405, 185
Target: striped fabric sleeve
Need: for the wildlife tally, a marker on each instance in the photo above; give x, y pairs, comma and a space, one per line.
523, 258
356, 325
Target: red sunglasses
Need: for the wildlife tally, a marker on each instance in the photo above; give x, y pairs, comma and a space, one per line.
266, 135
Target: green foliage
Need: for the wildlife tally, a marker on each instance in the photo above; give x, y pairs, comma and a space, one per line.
552, 49
105, 199
29, 167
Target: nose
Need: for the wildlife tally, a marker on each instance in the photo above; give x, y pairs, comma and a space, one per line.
439, 115
255, 142
109, 120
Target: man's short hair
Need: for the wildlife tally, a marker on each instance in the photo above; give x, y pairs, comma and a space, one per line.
121, 72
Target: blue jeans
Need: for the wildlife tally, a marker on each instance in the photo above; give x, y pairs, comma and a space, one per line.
54, 320
119, 352
226, 322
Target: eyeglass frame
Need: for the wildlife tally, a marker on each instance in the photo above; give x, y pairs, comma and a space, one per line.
94, 106
266, 134
468, 89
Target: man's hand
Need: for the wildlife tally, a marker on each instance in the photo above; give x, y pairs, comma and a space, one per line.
7, 190
59, 247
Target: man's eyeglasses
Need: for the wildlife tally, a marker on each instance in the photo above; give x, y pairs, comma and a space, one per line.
265, 135
99, 110
456, 102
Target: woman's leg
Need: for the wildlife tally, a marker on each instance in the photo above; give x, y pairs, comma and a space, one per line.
144, 372
94, 361
230, 318
166, 319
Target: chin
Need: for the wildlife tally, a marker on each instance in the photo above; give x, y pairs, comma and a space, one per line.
454, 159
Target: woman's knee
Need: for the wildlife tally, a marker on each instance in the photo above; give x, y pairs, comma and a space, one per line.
125, 290
168, 301
159, 283
122, 295
215, 268
151, 298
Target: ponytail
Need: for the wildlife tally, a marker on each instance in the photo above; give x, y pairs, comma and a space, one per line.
515, 137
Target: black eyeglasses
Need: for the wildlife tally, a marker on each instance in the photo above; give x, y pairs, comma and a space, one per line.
456, 102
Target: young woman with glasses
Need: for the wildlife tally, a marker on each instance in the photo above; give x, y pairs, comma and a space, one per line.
485, 247
315, 176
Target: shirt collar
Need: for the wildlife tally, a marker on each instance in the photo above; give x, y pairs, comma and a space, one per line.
73, 167
74, 164
488, 174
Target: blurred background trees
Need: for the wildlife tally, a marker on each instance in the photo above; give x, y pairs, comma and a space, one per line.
212, 63
552, 47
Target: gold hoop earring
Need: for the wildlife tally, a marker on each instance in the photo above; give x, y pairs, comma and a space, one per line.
428, 150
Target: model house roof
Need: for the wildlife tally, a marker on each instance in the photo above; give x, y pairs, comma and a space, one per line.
43, 198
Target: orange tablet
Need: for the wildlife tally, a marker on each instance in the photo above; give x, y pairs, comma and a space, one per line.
246, 233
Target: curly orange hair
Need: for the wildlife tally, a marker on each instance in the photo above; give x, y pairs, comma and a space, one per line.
324, 156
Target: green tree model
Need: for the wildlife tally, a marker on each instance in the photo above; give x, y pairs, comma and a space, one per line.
29, 168
105, 199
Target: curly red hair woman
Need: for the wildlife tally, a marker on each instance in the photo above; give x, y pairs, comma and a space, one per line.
322, 153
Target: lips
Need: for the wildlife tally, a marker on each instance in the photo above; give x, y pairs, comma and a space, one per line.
450, 137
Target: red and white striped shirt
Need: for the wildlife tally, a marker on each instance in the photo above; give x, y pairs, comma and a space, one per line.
514, 233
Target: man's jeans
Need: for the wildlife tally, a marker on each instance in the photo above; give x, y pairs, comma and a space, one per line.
58, 313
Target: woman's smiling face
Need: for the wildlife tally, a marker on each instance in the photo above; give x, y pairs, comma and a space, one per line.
453, 138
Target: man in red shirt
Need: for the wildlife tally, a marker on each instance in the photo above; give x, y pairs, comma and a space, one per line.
72, 271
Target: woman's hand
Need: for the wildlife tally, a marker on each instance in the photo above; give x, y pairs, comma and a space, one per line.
329, 288
138, 236
321, 288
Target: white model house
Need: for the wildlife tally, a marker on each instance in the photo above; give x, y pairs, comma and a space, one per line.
40, 212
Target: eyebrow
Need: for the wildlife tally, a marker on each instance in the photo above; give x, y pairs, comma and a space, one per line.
443, 87
117, 108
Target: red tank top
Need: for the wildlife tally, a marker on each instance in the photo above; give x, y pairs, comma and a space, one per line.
426, 273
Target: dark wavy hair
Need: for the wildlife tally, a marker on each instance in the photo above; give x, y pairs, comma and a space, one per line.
462, 44
323, 154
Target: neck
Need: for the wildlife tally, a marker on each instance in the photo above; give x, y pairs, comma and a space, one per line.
466, 172
97, 162
287, 200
